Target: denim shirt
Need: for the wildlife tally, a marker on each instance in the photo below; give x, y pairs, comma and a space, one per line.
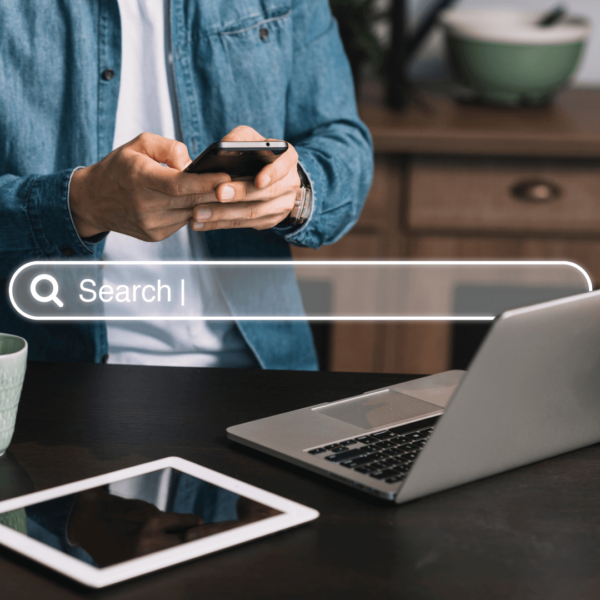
275, 65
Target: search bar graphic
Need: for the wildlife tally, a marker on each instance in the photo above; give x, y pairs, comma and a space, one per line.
266, 290
52, 297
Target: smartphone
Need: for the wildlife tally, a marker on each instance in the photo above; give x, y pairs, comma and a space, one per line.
237, 159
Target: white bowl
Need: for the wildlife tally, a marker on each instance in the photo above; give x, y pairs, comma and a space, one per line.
513, 27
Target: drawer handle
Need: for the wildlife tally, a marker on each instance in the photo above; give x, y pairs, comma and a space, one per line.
536, 191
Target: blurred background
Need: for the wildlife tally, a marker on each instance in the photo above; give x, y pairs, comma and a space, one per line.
485, 117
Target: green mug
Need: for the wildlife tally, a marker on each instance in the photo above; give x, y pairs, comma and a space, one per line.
13, 363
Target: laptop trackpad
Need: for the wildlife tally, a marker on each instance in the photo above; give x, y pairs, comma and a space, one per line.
378, 409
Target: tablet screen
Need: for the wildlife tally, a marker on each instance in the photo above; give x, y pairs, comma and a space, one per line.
106, 525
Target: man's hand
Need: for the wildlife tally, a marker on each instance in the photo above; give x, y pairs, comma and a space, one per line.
128, 191
259, 204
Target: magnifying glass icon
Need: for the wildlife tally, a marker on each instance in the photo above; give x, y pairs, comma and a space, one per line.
53, 295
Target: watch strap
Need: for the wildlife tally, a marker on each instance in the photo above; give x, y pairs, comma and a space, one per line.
303, 203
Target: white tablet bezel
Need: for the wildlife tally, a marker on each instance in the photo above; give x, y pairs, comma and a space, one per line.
292, 514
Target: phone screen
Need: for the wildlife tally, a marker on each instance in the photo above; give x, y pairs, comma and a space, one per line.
237, 161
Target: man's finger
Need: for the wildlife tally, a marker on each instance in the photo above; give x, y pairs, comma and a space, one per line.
240, 211
173, 183
258, 224
243, 133
163, 150
194, 200
277, 170
244, 191
243, 211
265, 222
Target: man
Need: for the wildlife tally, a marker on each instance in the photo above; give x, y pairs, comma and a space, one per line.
80, 78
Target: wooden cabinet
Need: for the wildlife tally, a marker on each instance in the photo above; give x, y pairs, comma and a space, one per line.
498, 195
469, 182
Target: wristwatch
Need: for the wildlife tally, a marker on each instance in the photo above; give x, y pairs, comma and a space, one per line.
303, 203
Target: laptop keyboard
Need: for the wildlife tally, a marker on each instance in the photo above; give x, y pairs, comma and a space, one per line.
385, 455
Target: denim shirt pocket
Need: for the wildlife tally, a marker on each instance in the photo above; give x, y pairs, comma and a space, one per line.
251, 60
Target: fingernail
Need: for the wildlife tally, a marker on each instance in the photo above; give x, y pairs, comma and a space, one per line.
197, 226
227, 193
202, 214
186, 166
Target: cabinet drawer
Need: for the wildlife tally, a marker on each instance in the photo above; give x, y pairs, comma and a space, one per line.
535, 196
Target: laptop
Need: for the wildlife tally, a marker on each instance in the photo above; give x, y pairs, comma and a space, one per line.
531, 392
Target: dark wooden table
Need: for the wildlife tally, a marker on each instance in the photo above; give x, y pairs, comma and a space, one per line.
531, 533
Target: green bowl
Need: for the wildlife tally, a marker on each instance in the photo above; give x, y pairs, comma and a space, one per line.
502, 57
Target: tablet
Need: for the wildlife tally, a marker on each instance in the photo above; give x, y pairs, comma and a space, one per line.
110, 528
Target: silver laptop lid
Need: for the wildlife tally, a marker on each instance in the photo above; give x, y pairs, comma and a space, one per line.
532, 391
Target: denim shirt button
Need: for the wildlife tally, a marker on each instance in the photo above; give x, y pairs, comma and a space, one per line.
108, 74
68, 251
264, 34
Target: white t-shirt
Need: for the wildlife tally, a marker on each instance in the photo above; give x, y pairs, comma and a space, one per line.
145, 104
